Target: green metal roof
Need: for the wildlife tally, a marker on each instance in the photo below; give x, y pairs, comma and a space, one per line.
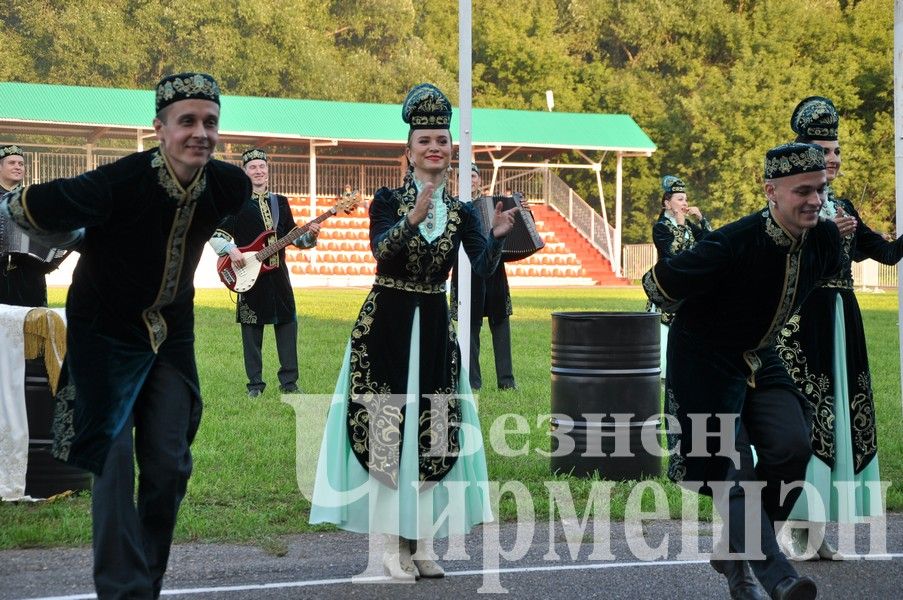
285, 118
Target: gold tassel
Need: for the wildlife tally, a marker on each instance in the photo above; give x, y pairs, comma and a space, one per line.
45, 334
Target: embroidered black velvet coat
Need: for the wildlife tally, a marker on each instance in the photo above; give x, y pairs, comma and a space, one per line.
671, 239
731, 295
272, 299
410, 275
132, 292
806, 346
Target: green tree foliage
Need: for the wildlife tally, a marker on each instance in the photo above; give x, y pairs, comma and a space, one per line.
713, 82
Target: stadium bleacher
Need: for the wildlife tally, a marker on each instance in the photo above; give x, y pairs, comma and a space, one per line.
343, 256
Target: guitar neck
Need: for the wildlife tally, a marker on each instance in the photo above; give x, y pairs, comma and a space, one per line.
291, 236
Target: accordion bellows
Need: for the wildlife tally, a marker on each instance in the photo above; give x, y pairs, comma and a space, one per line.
523, 240
14, 241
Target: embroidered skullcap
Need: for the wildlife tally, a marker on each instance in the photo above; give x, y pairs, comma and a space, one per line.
793, 159
426, 107
673, 185
474, 168
815, 118
253, 154
10, 150
186, 86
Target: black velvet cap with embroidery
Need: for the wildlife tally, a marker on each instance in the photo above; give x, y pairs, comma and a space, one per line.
426, 107
815, 118
10, 150
793, 159
673, 185
253, 154
186, 86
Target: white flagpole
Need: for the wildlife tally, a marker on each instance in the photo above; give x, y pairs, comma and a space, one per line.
465, 140
898, 159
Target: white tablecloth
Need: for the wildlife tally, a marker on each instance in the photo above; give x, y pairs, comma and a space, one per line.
46, 336
13, 418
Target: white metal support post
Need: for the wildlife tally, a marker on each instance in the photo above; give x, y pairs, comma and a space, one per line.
465, 150
619, 173
898, 158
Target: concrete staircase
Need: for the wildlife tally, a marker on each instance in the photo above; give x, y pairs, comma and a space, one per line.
343, 257
592, 263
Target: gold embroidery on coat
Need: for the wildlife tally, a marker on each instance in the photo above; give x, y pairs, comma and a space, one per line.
175, 244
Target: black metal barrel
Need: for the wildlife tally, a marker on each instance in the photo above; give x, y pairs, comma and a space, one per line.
45, 476
605, 366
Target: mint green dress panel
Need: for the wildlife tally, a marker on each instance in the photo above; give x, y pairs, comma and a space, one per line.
839, 494
348, 497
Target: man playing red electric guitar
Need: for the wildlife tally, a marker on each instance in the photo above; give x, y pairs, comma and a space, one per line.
271, 299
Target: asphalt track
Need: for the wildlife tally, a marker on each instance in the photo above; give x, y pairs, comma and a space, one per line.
334, 565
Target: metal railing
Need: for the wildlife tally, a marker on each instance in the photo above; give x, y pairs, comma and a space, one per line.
638, 258
529, 182
581, 215
290, 175
872, 274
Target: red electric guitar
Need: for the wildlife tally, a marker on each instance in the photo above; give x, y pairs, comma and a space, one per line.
241, 279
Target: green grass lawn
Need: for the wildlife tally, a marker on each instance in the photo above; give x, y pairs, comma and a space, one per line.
244, 484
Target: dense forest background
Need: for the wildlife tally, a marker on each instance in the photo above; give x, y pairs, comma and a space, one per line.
713, 82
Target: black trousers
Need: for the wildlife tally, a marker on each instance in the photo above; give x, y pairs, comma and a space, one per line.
501, 349
286, 348
132, 540
774, 423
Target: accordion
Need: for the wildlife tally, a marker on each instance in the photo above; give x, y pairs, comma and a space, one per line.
523, 239
14, 241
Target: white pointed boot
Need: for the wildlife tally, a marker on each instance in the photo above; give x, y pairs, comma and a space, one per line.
793, 540
393, 562
404, 557
825, 550
426, 566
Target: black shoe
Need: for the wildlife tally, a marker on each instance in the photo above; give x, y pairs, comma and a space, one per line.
290, 388
795, 588
742, 583
255, 392
508, 386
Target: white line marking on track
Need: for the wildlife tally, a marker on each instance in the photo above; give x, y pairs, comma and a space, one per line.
470, 573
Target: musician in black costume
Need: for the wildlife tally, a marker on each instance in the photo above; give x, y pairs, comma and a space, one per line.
271, 300
731, 295
21, 275
142, 223
490, 298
